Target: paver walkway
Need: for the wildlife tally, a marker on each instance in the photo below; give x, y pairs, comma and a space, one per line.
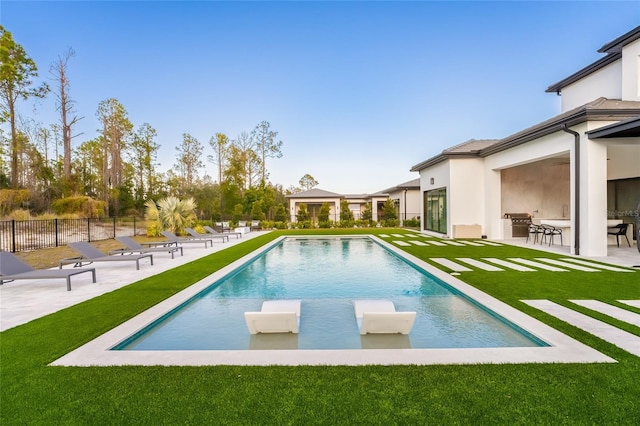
623, 339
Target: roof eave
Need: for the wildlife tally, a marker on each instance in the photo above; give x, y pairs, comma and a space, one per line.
598, 65
554, 126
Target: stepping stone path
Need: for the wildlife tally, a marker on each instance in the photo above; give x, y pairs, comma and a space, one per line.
610, 310
625, 340
450, 264
493, 264
478, 264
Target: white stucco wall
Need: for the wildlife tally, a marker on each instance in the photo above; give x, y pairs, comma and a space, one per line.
631, 71
466, 196
593, 198
438, 174
602, 83
409, 202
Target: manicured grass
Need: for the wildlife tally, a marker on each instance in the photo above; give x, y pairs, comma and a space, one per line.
33, 393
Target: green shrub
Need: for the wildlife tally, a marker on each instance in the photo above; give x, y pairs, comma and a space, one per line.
390, 223
12, 199
412, 223
281, 214
346, 223
80, 205
19, 214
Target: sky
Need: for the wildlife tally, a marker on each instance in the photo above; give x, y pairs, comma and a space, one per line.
359, 92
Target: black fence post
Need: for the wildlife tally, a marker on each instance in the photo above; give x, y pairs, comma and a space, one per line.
114, 227
89, 229
13, 235
55, 229
134, 226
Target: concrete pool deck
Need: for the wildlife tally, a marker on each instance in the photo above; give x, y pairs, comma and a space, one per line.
561, 349
25, 300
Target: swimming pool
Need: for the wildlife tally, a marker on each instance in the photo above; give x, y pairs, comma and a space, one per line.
328, 275
100, 351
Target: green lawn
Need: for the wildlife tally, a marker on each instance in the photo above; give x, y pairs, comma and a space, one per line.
33, 393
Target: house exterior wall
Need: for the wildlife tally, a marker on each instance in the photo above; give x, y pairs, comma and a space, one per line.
593, 198
466, 197
631, 71
605, 82
439, 174
409, 202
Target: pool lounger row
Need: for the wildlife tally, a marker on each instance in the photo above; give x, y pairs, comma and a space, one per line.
372, 316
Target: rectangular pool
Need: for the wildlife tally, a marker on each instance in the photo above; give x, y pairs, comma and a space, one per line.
328, 275
204, 324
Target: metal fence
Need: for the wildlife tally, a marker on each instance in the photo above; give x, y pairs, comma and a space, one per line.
23, 235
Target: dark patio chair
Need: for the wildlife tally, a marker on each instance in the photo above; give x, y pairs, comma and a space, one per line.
619, 230
550, 231
534, 231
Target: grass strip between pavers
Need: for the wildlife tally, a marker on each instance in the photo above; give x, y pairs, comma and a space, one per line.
33, 393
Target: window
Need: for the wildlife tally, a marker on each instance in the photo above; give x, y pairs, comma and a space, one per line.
435, 210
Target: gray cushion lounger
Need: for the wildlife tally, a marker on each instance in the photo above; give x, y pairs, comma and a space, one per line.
212, 231
91, 254
12, 268
173, 238
135, 247
196, 234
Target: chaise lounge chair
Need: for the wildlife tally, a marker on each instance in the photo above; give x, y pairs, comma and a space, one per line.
380, 317
212, 231
195, 234
90, 254
173, 238
132, 246
12, 268
276, 316
255, 225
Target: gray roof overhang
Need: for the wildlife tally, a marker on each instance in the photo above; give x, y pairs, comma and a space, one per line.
624, 129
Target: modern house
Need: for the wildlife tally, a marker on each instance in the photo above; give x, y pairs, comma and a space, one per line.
406, 197
580, 169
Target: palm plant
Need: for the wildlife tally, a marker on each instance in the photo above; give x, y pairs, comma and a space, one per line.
170, 214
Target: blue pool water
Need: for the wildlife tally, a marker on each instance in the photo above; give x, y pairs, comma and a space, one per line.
328, 275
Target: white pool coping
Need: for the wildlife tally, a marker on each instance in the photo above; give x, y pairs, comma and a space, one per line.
561, 349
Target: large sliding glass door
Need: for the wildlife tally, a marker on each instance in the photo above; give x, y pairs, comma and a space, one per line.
435, 210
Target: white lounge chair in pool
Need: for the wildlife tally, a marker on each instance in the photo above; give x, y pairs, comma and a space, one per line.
381, 317
276, 316
12, 268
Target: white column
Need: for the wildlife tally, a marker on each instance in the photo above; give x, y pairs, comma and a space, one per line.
492, 226
593, 198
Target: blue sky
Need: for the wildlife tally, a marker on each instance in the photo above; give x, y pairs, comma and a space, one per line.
358, 91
